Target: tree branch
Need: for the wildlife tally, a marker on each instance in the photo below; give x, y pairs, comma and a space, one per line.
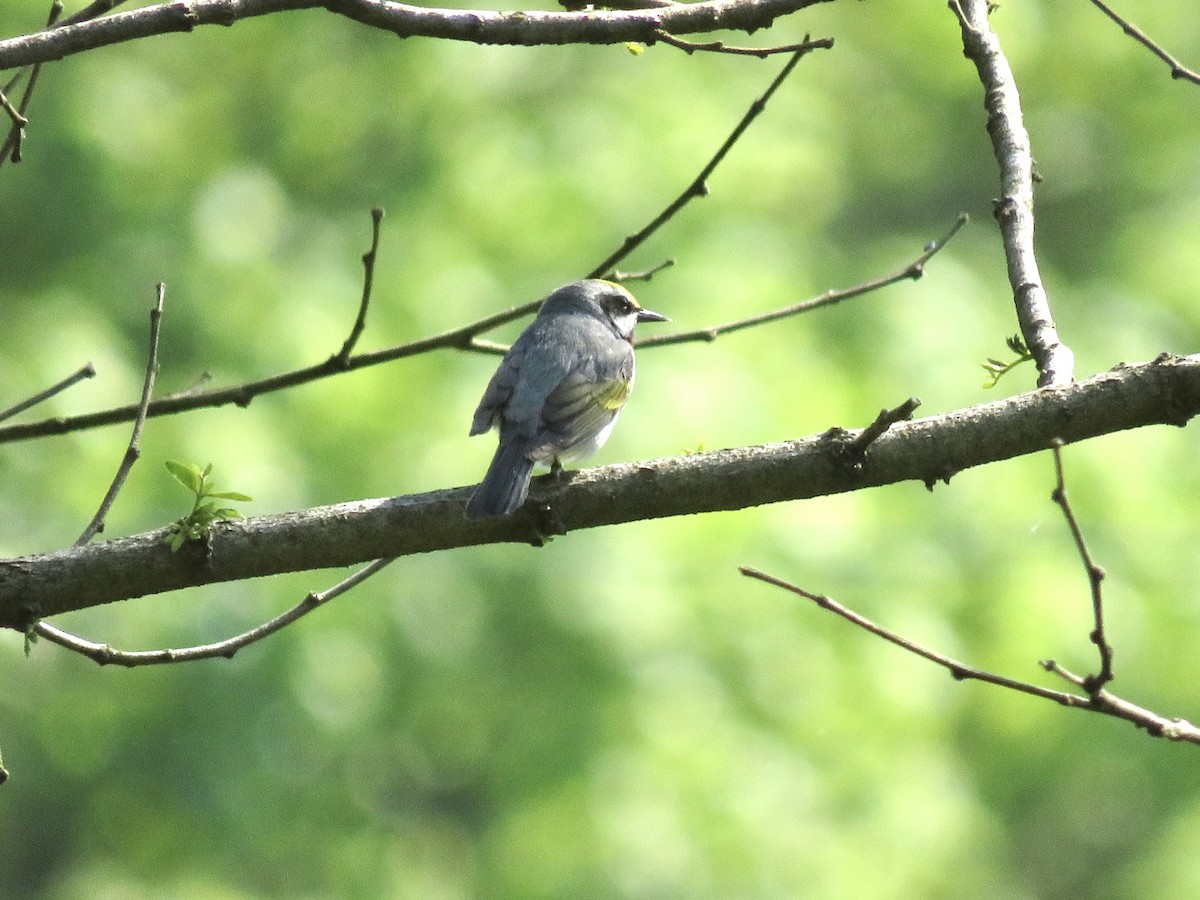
928, 450
1098, 702
1014, 209
528, 28
1095, 575
699, 187
132, 451
1178, 70
912, 271
464, 337
87, 371
105, 654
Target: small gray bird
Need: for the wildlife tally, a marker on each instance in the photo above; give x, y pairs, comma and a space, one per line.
558, 391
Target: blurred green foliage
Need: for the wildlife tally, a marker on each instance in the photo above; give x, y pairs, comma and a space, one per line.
619, 714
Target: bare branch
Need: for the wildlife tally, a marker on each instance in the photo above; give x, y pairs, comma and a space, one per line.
368, 260
699, 187
18, 120
1095, 576
88, 371
1014, 209
1178, 70
132, 452
12, 144
927, 450
689, 47
912, 271
1100, 702
105, 654
959, 671
853, 450
527, 28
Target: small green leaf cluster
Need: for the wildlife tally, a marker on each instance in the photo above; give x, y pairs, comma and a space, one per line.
196, 525
996, 369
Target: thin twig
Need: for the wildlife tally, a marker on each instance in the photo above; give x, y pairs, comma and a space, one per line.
958, 670
1100, 701
1014, 209
690, 47
912, 271
644, 275
88, 371
698, 187
132, 452
1095, 576
107, 655
854, 450
93, 10
18, 120
368, 260
1178, 70
12, 144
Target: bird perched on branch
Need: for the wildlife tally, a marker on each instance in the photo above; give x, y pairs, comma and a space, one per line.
559, 389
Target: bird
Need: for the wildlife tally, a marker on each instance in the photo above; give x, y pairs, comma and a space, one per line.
557, 393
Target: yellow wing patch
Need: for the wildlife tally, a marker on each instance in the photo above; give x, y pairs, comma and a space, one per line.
613, 395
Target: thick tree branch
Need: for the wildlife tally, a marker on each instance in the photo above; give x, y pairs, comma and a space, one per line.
1014, 209
476, 26
931, 449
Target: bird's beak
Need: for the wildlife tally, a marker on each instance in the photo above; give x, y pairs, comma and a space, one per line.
649, 315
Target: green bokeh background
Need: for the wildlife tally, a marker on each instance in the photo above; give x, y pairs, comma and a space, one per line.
619, 714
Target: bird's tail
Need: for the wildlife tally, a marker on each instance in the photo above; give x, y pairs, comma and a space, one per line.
505, 485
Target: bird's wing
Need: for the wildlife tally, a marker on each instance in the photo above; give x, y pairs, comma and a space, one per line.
495, 397
579, 409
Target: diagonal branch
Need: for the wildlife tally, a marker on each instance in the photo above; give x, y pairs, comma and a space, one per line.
132, 451
1095, 575
1099, 702
1014, 209
699, 187
87, 371
912, 271
926, 450
1178, 69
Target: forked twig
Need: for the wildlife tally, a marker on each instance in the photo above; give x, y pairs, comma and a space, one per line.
1094, 699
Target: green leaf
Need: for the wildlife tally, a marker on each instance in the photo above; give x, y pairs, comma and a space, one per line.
228, 495
187, 474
